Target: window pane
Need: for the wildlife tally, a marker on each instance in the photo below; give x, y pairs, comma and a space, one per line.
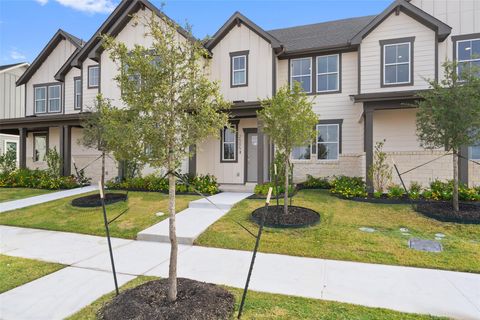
229, 135
332, 133
301, 153
238, 63
40, 148
40, 93
327, 151
332, 82
40, 106
93, 76
239, 77
332, 63
54, 92
228, 151
402, 73
54, 105
305, 66
322, 131
475, 153
403, 53
390, 54
390, 74
322, 65
11, 146
322, 82
464, 50
305, 81
476, 49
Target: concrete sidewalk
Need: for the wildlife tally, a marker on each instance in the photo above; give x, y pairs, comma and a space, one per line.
27, 202
427, 291
194, 220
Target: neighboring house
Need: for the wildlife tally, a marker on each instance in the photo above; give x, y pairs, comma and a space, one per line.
363, 74
12, 103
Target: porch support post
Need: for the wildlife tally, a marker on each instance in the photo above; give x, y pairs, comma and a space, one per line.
22, 148
66, 136
463, 165
192, 160
260, 154
368, 145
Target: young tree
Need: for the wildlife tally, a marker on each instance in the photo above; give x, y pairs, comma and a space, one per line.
289, 120
449, 115
169, 104
380, 172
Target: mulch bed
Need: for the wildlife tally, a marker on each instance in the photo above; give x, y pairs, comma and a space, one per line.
196, 301
93, 200
297, 217
443, 211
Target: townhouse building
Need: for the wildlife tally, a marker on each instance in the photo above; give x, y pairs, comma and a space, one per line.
362, 73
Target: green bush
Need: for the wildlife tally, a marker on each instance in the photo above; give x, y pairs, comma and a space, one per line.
262, 189
316, 183
395, 192
8, 162
415, 190
40, 179
348, 187
440, 190
206, 184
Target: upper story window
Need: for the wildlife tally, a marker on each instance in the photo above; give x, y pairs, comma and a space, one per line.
47, 98
328, 141
229, 144
328, 79
301, 71
77, 93
93, 76
40, 99
239, 69
397, 62
468, 55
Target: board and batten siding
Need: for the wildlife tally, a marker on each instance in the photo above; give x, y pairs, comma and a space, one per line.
89, 94
12, 98
242, 38
395, 27
47, 71
69, 86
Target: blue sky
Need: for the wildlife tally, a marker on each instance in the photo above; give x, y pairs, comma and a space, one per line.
27, 25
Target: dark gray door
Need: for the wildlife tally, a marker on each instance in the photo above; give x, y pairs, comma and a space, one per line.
252, 143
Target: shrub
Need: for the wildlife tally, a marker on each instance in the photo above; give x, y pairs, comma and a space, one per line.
8, 162
316, 183
415, 190
395, 191
206, 184
348, 187
40, 179
54, 163
262, 189
380, 171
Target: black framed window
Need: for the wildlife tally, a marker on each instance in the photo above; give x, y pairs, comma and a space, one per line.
328, 69
329, 139
468, 55
77, 89
301, 72
54, 98
40, 99
397, 62
229, 143
47, 98
93, 76
239, 69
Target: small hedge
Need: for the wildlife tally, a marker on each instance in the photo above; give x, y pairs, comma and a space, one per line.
39, 179
315, 183
206, 184
349, 187
262, 189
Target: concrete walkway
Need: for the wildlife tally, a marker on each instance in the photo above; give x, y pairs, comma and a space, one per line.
442, 293
194, 220
27, 202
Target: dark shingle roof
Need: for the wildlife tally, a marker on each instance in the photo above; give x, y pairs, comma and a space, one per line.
7, 66
320, 35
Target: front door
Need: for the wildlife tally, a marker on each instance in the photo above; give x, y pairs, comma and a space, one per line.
251, 163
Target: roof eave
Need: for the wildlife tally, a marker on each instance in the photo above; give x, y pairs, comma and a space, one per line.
332, 48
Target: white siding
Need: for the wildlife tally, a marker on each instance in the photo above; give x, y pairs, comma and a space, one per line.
394, 27
12, 98
70, 90
48, 69
89, 95
259, 64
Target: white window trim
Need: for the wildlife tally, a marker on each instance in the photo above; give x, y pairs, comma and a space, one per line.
90, 68
469, 60
385, 64
329, 73
239, 70
301, 75
338, 142
77, 93
234, 145
45, 99
59, 98
5, 147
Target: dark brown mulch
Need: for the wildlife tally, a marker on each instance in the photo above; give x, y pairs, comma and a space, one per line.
443, 211
297, 217
196, 301
93, 200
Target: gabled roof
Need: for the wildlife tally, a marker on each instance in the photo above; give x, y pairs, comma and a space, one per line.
112, 26
12, 66
442, 29
325, 35
235, 20
52, 44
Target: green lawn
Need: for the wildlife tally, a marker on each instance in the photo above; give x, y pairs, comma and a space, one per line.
60, 215
338, 237
273, 306
17, 271
9, 194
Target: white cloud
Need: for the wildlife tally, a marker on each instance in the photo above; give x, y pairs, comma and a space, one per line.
17, 55
88, 6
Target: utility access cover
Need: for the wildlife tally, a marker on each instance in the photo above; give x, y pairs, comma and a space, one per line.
425, 245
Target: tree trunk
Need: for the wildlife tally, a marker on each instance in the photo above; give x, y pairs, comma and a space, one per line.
172, 271
455, 182
285, 193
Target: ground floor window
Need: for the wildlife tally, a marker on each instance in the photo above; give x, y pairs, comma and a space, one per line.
475, 152
40, 146
328, 141
301, 153
229, 144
